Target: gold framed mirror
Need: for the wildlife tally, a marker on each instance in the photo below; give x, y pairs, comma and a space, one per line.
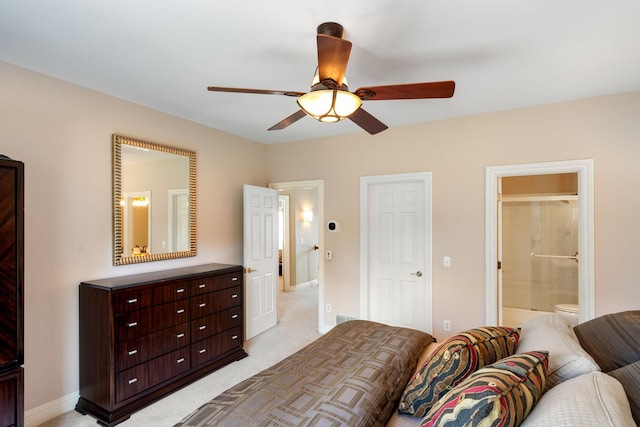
154, 201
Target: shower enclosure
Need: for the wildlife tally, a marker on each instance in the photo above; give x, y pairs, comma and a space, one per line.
539, 255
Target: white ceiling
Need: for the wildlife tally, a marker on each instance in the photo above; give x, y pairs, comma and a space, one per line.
503, 54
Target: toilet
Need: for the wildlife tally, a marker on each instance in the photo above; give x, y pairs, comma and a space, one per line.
571, 312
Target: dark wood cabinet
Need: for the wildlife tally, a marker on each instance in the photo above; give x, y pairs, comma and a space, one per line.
11, 292
144, 336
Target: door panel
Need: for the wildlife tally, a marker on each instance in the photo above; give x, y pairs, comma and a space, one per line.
397, 253
260, 258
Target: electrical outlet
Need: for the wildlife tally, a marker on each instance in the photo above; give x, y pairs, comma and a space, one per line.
328, 308
447, 261
446, 325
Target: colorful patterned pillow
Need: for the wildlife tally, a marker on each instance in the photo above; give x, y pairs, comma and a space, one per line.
501, 394
456, 359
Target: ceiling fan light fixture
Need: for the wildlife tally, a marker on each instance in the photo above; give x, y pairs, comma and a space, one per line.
329, 105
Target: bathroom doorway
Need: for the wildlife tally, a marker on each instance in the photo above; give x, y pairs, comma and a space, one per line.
543, 260
539, 246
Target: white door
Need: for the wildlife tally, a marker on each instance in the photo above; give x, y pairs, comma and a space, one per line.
396, 246
178, 220
260, 259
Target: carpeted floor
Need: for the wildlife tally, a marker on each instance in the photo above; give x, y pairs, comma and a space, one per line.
297, 326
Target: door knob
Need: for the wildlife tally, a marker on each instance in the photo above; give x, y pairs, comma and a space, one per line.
249, 270
316, 247
417, 273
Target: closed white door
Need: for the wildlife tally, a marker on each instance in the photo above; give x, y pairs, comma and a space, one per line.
396, 247
260, 259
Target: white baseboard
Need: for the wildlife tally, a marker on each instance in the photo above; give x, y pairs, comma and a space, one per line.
313, 282
36, 416
326, 328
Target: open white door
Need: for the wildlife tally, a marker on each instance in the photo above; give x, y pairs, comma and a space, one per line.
260, 259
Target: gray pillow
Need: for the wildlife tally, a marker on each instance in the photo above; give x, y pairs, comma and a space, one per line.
613, 340
554, 334
629, 377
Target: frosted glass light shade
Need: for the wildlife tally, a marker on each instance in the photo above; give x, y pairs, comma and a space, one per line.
329, 105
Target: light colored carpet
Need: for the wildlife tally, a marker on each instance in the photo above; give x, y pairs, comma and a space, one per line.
297, 327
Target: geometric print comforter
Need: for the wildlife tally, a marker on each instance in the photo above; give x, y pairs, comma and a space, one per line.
353, 375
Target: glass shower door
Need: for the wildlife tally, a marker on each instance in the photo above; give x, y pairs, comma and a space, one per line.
539, 253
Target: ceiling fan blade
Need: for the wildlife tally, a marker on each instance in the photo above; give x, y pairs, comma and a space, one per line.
367, 122
443, 89
333, 55
288, 121
256, 91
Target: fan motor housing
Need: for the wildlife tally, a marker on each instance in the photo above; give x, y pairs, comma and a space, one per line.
332, 29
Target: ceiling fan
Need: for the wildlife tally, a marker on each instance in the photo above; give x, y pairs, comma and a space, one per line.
330, 100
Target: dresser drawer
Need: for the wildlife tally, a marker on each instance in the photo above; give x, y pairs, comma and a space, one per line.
168, 366
214, 347
139, 350
216, 283
209, 325
171, 292
131, 382
125, 301
171, 314
134, 324
135, 380
203, 305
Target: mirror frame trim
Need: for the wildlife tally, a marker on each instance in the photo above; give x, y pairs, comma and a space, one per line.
118, 140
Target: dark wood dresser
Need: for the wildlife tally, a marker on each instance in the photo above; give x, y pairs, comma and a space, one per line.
11, 292
146, 335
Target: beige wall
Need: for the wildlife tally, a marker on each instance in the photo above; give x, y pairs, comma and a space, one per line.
457, 152
62, 133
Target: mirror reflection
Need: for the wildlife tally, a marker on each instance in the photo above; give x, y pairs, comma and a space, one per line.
154, 201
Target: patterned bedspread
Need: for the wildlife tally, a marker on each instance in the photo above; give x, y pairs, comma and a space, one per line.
351, 376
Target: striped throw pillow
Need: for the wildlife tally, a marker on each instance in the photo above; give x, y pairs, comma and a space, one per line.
501, 394
456, 359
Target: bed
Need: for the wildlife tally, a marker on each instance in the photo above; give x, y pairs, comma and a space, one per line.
545, 373
353, 375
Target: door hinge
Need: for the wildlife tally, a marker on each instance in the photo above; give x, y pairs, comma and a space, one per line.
499, 265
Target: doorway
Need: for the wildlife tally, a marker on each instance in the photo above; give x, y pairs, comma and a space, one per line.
538, 246
302, 218
554, 261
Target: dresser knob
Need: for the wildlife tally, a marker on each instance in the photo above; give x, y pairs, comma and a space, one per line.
235, 316
179, 291
202, 328
132, 352
133, 380
201, 305
180, 311
180, 336
132, 324
235, 337
132, 300
180, 360
234, 279
202, 286
234, 296
204, 350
